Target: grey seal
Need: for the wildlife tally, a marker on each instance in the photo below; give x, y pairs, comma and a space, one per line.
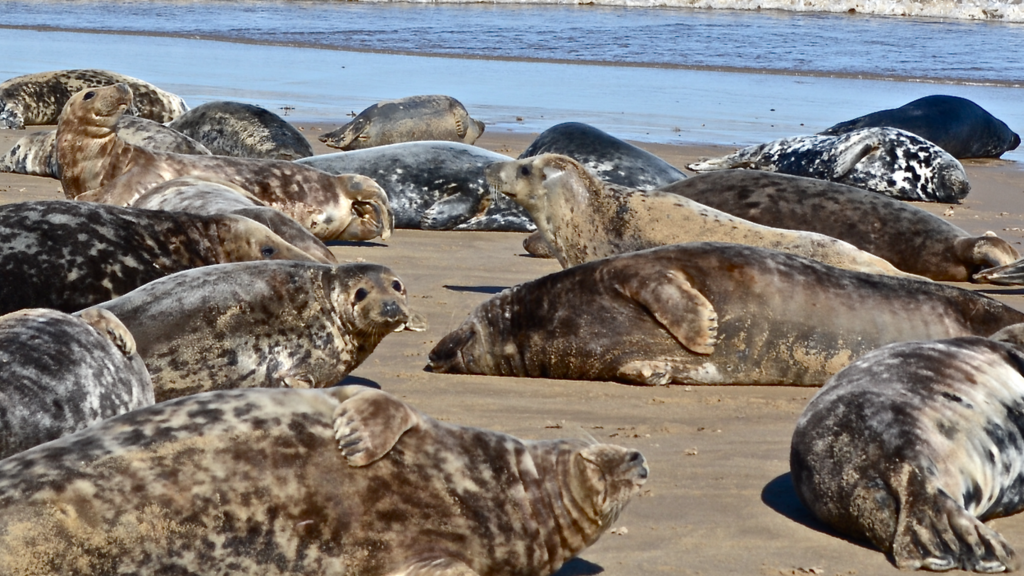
243, 130
410, 119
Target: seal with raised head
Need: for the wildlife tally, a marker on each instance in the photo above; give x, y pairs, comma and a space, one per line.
62, 373
243, 130
915, 445
583, 218
35, 99
433, 185
262, 324
955, 124
908, 237
70, 255
407, 120
889, 161
706, 313
99, 166
254, 482
607, 157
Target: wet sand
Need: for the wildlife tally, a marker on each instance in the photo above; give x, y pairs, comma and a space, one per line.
719, 500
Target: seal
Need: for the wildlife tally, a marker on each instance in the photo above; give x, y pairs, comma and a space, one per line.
253, 482
884, 160
205, 197
433, 185
244, 130
706, 313
98, 166
913, 446
262, 324
955, 124
607, 157
908, 237
70, 255
583, 218
62, 373
407, 120
35, 99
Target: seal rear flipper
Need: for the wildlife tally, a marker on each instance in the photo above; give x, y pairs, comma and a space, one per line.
436, 567
447, 213
677, 306
369, 423
1011, 274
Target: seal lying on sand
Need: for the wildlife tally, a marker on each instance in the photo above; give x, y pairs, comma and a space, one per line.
955, 124
908, 237
243, 130
407, 120
584, 219
94, 159
62, 373
70, 255
35, 99
253, 325
706, 313
253, 482
884, 160
915, 445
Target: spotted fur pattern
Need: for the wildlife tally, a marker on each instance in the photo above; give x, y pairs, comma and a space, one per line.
243, 130
411, 119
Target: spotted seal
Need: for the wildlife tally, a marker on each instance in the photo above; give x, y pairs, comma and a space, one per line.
243, 130
433, 185
263, 324
913, 446
607, 157
62, 373
908, 237
955, 124
407, 120
35, 99
98, 166
884, 160
706, 313
583, 218
253, 482
69, 255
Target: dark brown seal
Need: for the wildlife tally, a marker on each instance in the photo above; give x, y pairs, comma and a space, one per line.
253, 482
706, 313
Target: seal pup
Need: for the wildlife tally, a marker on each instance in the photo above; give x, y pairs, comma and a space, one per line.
915, 445
35, 99
62, 373
955, 124
583, 218
432, 185
262, 324
98, 166
607, 157
407, 120
70, 255
706, 313
243, 130
884, 160
908, 237
254, 482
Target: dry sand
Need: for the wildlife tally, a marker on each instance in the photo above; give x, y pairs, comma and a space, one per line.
719, 500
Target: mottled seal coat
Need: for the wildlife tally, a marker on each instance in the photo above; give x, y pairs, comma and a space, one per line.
433, 185
205, 197
62, 373
884, 160
908, 237
610, 159
915, 445
583, 218
35, 99
244, 130
407, 120
253, 482
70, 255
706, 313
262, 324
98, 166
955, 124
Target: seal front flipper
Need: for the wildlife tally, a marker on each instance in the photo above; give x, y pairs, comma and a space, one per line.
369, 423
677, 306
447, 213
436, 567
855, 151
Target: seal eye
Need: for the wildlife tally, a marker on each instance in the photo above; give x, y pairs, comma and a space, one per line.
361, 294
89, 95
268, 251
396, 286
524, 170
